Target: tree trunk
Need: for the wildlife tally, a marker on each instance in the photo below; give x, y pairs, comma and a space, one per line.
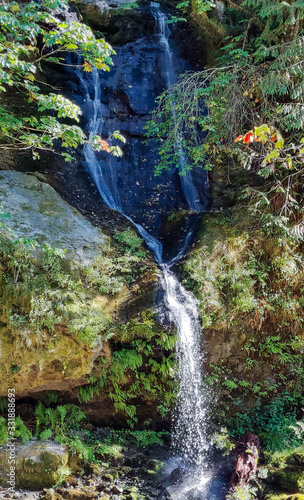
247, 461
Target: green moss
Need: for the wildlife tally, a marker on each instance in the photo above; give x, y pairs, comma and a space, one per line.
289, 479
210, 31
284, 496
40, 289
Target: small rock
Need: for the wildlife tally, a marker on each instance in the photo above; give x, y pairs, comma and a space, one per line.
51, 495
117, 489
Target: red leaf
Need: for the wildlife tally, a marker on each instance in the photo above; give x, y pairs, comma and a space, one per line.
239, 138
105, 146
248, 137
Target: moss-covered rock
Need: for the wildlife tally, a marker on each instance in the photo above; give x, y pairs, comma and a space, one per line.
289, 479
249, 287
38, 465
38, 213
65, 287
284, 496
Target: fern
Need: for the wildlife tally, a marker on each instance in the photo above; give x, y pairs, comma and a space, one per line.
3, 404
84, 451
46, 434
51, 398
86, 393
21, 431
3, 431
59, 421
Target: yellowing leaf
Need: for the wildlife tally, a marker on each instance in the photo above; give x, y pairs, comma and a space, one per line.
87, 67
272, 156
280, 141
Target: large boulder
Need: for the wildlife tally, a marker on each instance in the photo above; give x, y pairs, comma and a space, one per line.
37, 212
38, 465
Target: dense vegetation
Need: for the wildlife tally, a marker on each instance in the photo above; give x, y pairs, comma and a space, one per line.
247, 109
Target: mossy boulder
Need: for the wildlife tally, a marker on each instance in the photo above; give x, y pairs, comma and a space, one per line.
284, 496
38, 465
248, 284
289, 479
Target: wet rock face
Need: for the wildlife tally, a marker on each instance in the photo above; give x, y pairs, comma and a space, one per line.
128, 93
38, 465
120, 23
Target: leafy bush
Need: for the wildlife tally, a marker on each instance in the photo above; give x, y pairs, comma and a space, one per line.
24, 43
273, 423
131, 242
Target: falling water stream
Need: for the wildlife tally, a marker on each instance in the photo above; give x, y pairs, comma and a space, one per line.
189, 437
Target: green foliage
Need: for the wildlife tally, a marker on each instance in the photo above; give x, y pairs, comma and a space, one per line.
57, 421
273, 423
42, 291
200, 5
222, 441
135, 371
3, 431
17, 255
225, 280
46, 434
88, 327
51, 397
130, 241
118, 266
235, 260
244, 492
20, 431
3, 404
85, 451
117, 440
257, 82
14, 369
31, 36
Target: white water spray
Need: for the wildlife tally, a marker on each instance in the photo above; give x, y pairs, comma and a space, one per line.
189, 429
189, 419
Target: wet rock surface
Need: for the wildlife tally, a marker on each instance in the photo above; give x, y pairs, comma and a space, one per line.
127, 98
109, 481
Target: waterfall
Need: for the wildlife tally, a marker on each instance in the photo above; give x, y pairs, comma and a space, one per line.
110, 195
161, 28
188, 433
189, 416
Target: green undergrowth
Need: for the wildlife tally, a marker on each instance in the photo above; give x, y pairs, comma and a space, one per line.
249, 283
141, 367
43, 293
66, 424
40, 289
284, 473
